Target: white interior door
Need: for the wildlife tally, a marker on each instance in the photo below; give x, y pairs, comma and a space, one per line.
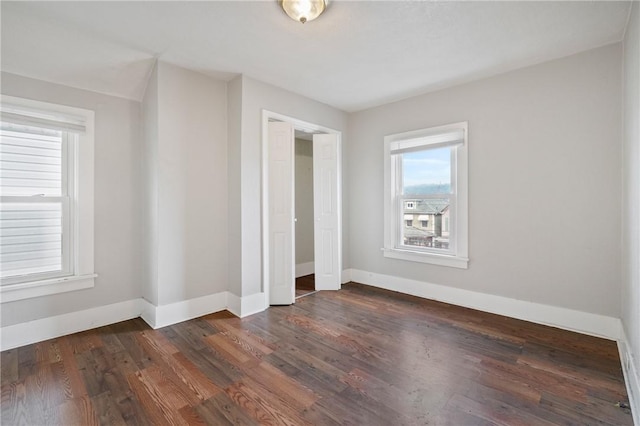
281, 214
326, 201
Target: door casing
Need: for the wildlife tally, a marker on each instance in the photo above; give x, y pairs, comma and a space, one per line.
310, 128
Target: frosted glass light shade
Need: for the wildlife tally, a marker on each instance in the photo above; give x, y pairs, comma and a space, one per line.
303, 10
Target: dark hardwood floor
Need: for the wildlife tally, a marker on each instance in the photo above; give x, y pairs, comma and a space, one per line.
359, 356
305, 285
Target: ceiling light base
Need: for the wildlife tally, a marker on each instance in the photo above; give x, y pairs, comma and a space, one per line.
303, 10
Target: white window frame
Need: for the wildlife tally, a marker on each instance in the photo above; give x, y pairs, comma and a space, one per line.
457, 255
78, 203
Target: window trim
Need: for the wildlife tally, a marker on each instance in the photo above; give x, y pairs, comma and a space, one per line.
458, 257
80, 202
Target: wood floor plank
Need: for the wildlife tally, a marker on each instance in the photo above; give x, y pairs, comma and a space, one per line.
525, 391
286, 387
358, 356
194, 331
202, 386
163, 384
279, 405
26, 361
158, 409
93, 366
265, 410
351, 408
210, 415
214, 366
77, 412
251, 343
191, 416
491, 411
159, 342
222, 407
537, 379
125, 332
110, 340
107, 411
9, 366
517, 409
85, 341
180, 371
72, 371
14, 404
232, 351
43, 388
313, 373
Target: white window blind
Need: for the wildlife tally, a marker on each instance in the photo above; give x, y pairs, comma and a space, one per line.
451, 138
34, 213
26, 116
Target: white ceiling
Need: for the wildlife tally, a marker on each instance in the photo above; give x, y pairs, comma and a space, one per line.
357, 55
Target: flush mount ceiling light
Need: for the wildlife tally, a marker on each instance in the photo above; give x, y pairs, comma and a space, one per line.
303, 10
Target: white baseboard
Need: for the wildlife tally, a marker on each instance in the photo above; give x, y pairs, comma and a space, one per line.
631, 377
164, 315
567, 319
247, 305
148, 312
346, 276
39, 330
25, 333
303, 269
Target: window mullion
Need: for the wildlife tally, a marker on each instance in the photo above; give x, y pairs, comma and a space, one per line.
396, 161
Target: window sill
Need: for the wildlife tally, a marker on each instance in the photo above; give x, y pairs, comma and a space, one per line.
28, 290
434, 259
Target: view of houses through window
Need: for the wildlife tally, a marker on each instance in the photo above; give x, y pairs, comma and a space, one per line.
426, 197
427, 225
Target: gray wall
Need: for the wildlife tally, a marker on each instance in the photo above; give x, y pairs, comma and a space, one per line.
149, 181
191, 179
304, 201
631, 184
118, 232
544, 182
234, 138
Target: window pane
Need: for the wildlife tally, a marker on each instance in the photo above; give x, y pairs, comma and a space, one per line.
427, 172
30, 161
427, 223
30, 238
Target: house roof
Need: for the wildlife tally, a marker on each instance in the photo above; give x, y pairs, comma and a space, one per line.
412, 232
357, 55
428, 207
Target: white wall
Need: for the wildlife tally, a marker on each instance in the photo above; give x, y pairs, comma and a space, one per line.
257, 96
631, 194
118, 232
304, 201
192, 184
544, 182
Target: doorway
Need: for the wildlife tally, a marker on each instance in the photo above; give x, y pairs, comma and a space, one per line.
279, 213
304, 242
